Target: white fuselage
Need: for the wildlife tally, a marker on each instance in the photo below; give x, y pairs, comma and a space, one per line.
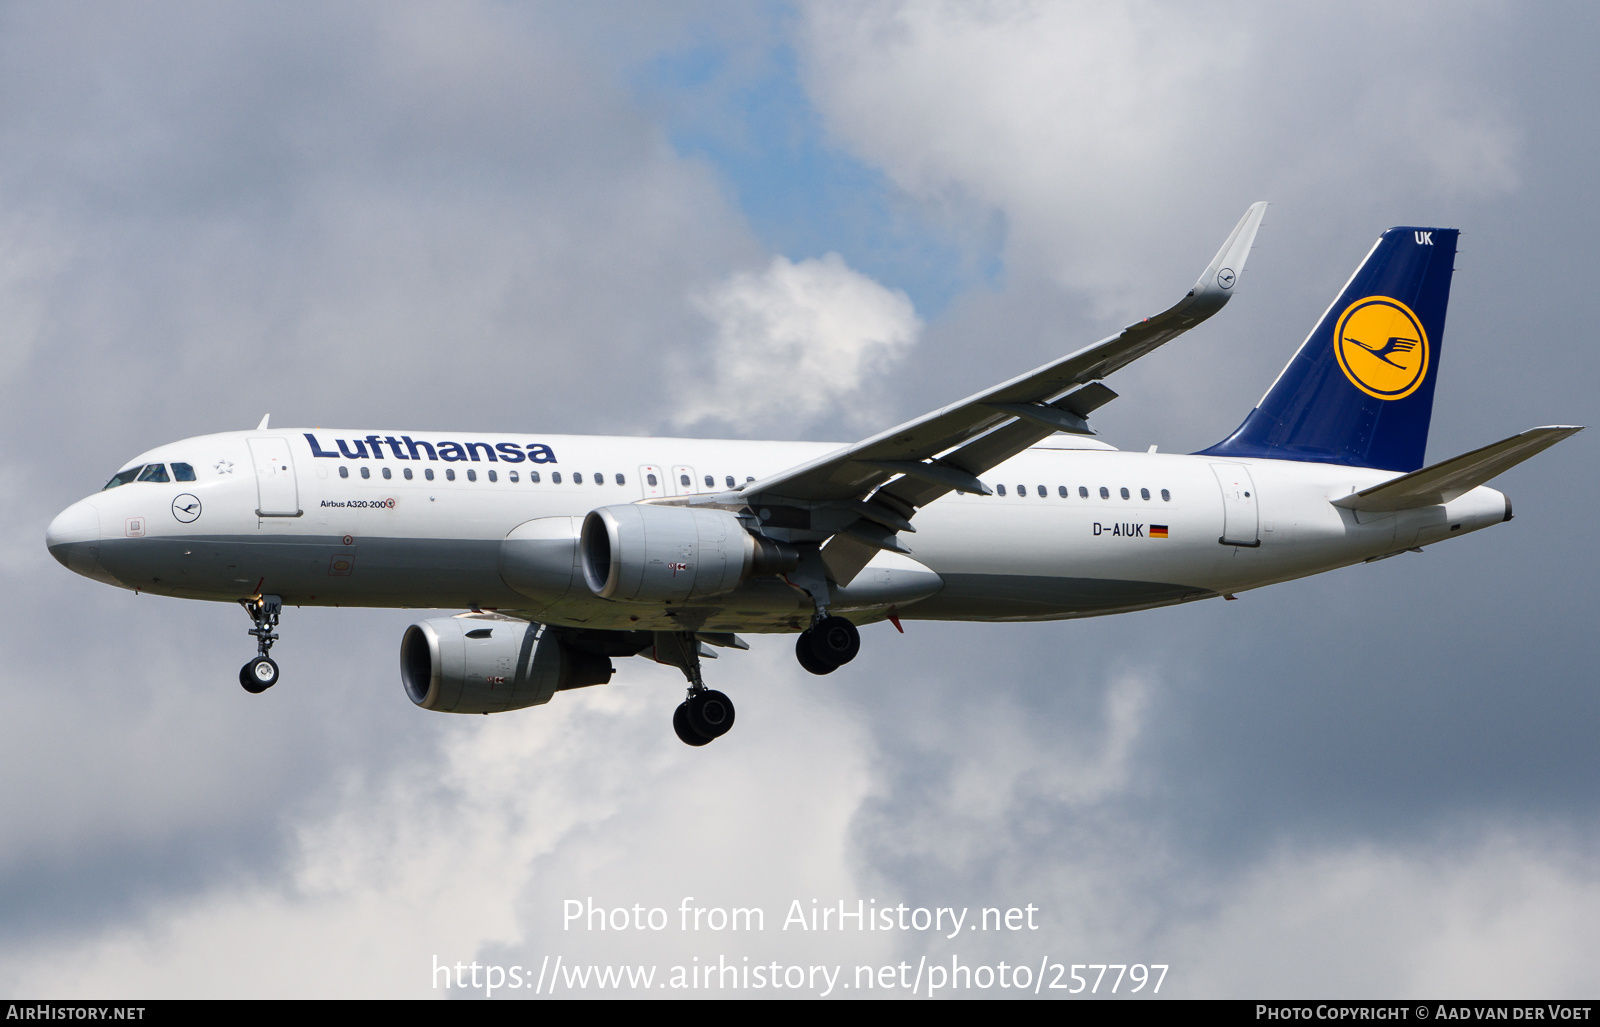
322, 525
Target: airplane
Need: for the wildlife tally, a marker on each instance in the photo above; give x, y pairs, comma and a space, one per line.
567, 552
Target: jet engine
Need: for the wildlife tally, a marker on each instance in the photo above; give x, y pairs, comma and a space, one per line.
486, 663
673, 554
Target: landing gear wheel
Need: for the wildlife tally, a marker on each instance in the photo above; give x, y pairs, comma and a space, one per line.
680, 724
710, 713
834, 641
258, 675
807, 658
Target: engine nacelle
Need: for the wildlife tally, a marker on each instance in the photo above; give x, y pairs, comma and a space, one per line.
673, 554
485, 663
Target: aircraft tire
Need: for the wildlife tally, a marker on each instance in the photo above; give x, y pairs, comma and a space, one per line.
258, 675
808, 657
710, 713
835, 641
686, 733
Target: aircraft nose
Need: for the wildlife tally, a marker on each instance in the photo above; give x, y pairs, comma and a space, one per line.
74, 537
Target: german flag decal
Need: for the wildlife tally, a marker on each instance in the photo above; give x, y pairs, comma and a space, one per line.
1158, 531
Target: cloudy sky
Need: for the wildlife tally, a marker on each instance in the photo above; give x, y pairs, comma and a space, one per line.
793, 221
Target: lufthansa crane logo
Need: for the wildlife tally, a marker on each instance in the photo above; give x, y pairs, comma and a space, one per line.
186, 508
1381, 347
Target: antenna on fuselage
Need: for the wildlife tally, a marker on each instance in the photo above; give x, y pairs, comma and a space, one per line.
263, 425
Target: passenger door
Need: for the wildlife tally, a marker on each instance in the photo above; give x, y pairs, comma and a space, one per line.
277, 493
1241, 518
650, 480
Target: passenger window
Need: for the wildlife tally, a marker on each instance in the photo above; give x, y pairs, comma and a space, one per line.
1063, 491
748, 479
710, 482
407, 473
427, 472
182, 472
1105, 493
683, 479
123, 477
1124, 493
577, 477
1001, 489
449, 474
651, 479
1022, 490
599, 479
621, 480
493, 476
511, 475
555, 477
1144, 493
387, 474
155, 472
366, 472
1083, 492
344, 472
1166, 497
472, 474
729, 480
1043, 492
533, 477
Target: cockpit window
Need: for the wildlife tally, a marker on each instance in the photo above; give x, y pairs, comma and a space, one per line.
182, 472
155, 472
123, 477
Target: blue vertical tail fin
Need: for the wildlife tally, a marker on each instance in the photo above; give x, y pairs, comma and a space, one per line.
1360, 389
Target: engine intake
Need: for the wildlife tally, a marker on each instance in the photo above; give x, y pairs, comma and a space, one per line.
490, 664
673, 554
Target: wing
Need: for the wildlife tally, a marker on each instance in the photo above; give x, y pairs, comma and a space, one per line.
858, 498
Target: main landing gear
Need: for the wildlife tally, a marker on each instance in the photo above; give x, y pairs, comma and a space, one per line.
703, 717
827, 645
261, 673
705, 714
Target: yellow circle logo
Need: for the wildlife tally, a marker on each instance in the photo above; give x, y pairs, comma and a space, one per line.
1381, 347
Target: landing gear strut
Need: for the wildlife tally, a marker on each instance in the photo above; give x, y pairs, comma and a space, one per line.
705, 714
827, 645
261, 673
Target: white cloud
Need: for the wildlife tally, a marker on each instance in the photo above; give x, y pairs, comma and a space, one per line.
468, 851
796, 342
1096, 129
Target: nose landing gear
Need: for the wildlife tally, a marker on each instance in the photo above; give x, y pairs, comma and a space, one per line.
261, 673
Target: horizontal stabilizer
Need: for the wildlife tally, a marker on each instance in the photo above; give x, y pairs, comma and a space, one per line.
1457, 476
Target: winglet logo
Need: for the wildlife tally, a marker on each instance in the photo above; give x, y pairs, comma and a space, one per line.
1381, 347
